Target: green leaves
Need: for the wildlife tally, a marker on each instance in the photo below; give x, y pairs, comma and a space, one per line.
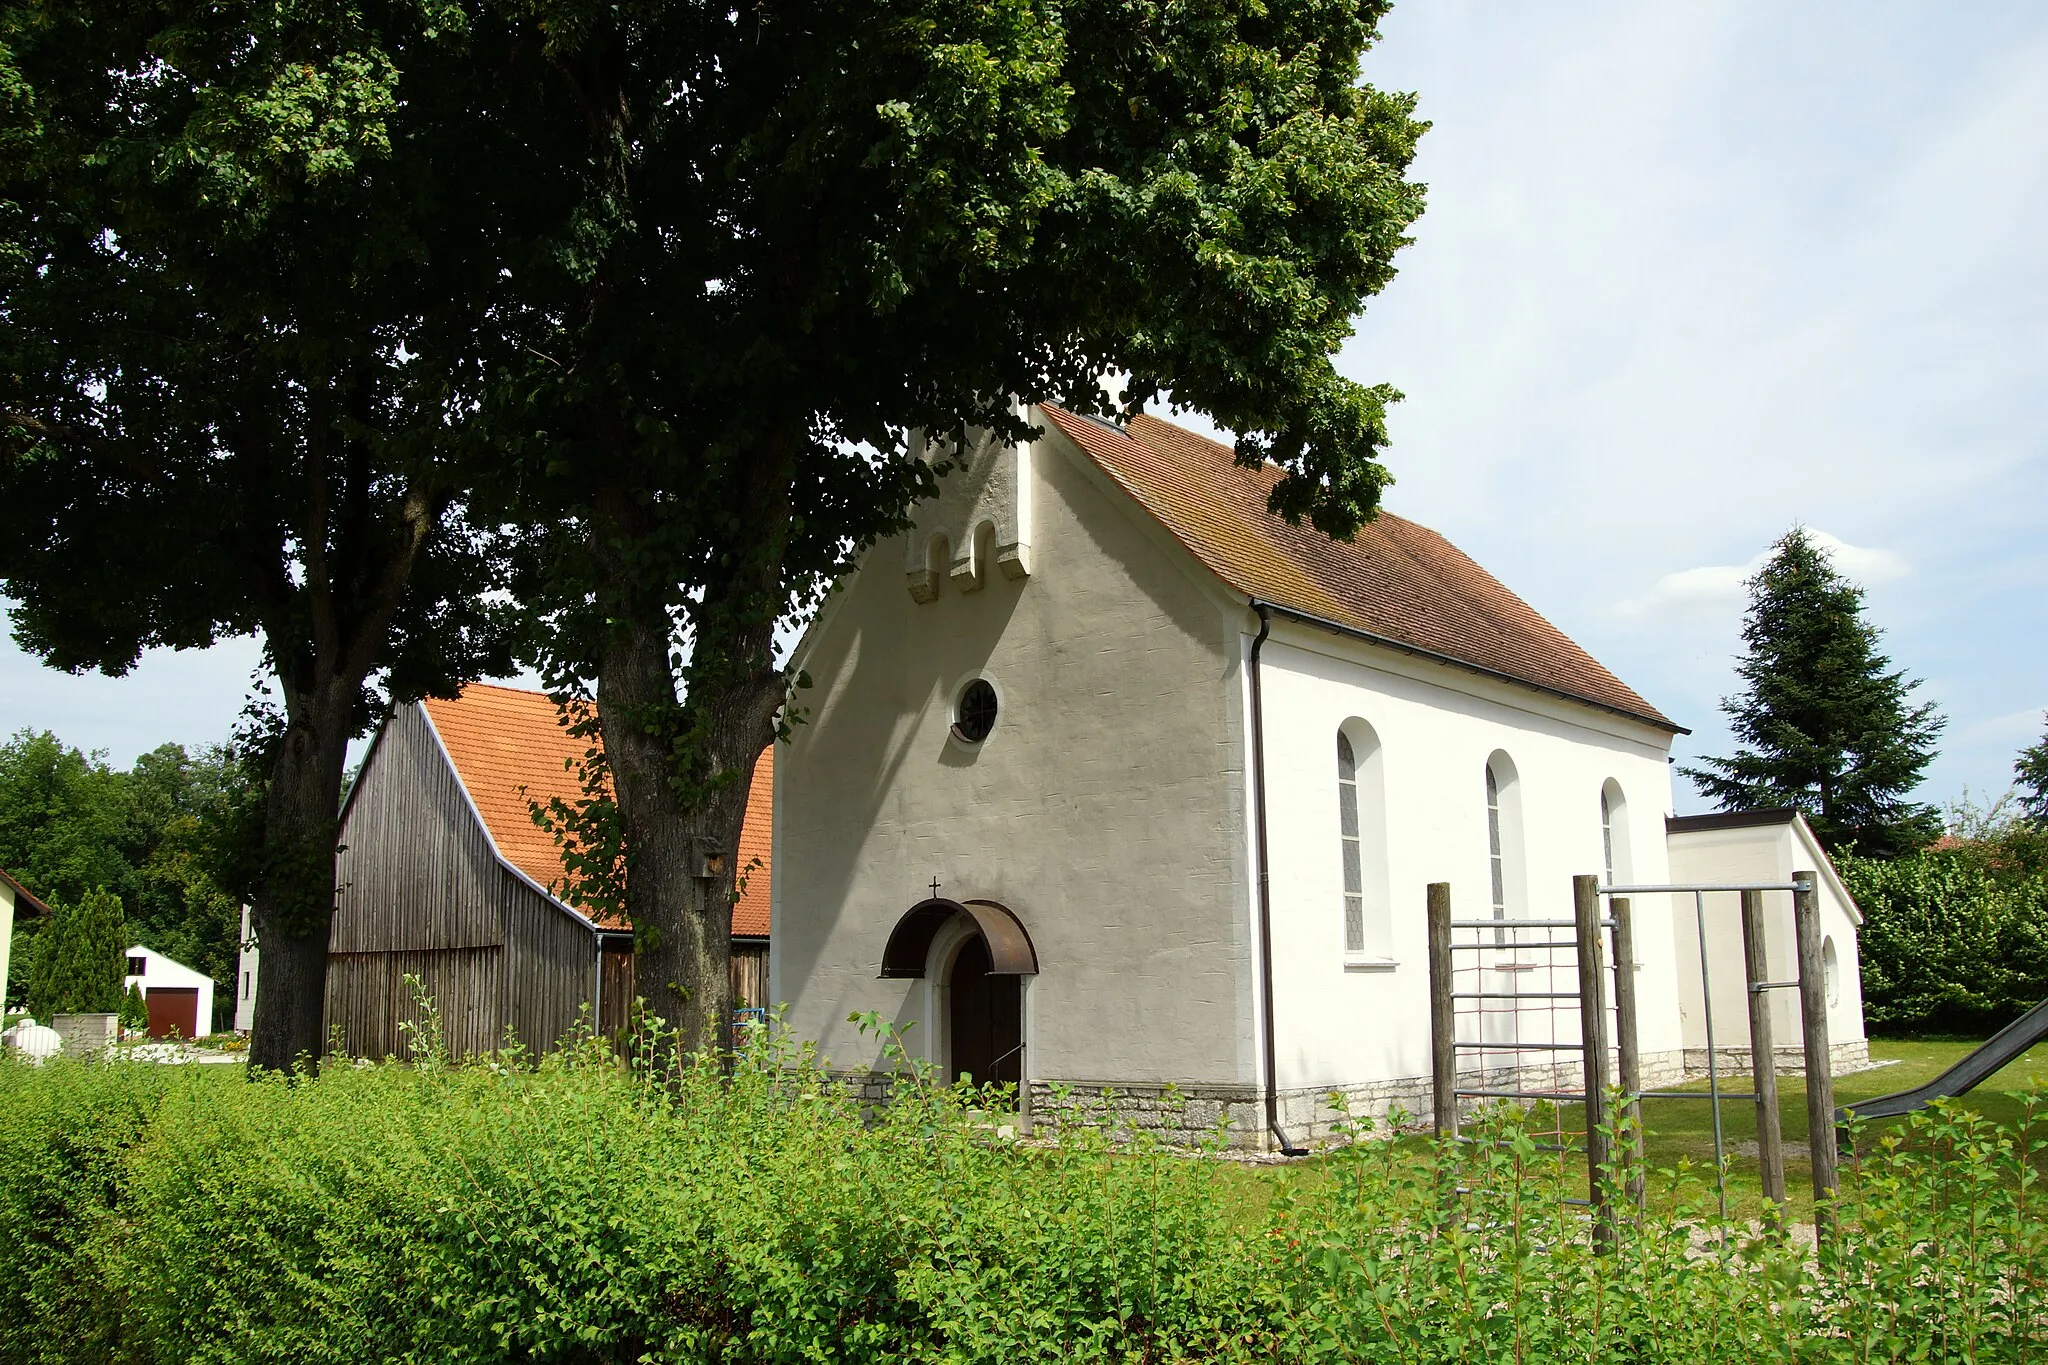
567, 1210
1953, 940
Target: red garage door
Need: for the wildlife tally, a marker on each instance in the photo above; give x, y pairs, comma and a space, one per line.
173, 1009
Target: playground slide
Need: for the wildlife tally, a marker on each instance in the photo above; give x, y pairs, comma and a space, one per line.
2002, 1050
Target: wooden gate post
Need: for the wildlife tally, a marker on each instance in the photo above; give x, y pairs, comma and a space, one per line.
1593, 1034
1443, 1020
1820, 1077
1628, 1058
1763, 1057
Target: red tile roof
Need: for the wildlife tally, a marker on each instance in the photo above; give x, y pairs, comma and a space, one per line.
24, 899
509, 747
1396, 580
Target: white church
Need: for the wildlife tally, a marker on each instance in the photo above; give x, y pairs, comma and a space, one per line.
1108, 778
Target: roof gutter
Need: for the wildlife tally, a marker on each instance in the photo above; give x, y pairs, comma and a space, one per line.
1272, 1085
1449, 661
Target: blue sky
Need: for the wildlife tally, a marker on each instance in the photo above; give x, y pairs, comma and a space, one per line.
1690, 273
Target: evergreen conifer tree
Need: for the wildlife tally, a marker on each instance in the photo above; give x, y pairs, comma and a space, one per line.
79, 958
134, 1010
1823, 722
2031, 770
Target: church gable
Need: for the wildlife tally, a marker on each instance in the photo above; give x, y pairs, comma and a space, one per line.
978, 525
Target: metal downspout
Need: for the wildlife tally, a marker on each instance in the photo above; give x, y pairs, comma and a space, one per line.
1272, 1081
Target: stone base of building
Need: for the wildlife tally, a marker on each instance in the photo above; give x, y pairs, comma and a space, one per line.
1191, 1115
1843, 1058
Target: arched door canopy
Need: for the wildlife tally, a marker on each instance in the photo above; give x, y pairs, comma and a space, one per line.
910, 943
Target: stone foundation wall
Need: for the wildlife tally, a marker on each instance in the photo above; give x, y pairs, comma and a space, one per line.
1185, 1115
86, 1035
1843, 1058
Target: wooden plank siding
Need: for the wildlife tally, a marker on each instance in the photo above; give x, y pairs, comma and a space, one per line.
371, 1002
749, 980
750, 974
414, 868
422, 891
551, 968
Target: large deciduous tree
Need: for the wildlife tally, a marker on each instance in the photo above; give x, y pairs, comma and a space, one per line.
1824, 723
800, 232
246, 266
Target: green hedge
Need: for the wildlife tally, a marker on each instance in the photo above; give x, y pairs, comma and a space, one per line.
567, 1211
1954, 938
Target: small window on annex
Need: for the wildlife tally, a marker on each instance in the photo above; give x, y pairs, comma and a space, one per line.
1362, 845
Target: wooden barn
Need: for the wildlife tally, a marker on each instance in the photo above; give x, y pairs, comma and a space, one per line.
443, 875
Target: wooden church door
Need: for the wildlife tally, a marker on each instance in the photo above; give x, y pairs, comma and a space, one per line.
986, 1023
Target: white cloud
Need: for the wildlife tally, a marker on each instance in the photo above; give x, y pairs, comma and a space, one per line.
1713, 587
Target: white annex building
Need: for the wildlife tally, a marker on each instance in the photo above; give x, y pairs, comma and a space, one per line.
1100, 725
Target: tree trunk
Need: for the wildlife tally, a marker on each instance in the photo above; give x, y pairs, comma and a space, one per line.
680, 875
294, 900
681, 769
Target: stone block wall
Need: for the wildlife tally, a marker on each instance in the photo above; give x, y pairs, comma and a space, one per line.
86, 1035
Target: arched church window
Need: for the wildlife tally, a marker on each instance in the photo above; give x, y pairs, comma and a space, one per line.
1615, 861
1362, 844
1606, 837
1347, 825
1505, 876
1495, 855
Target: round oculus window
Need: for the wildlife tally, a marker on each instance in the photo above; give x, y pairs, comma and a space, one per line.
975, 716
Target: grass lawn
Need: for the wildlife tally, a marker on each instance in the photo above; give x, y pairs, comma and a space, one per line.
1682, 1130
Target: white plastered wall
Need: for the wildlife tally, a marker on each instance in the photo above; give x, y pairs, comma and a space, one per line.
6, 933
1343, 1019
1105, 809
1769, 853
245, 978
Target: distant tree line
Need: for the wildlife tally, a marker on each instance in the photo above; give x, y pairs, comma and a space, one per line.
151, 854
1955, 933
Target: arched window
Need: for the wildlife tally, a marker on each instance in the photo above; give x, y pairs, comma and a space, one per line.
1347, 824
1607, 836
1615, 863
1503, 840
1493, 848
1362, 844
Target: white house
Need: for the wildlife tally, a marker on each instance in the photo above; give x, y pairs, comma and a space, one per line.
180, 1000
1124, 782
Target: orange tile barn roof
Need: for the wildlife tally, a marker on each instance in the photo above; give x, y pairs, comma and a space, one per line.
508, 747
1395, 580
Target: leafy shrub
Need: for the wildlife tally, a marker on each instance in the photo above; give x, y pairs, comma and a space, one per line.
1479, 1254
564, 1210
1954, 938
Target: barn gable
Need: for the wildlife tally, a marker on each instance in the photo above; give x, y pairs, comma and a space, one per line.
443, 876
